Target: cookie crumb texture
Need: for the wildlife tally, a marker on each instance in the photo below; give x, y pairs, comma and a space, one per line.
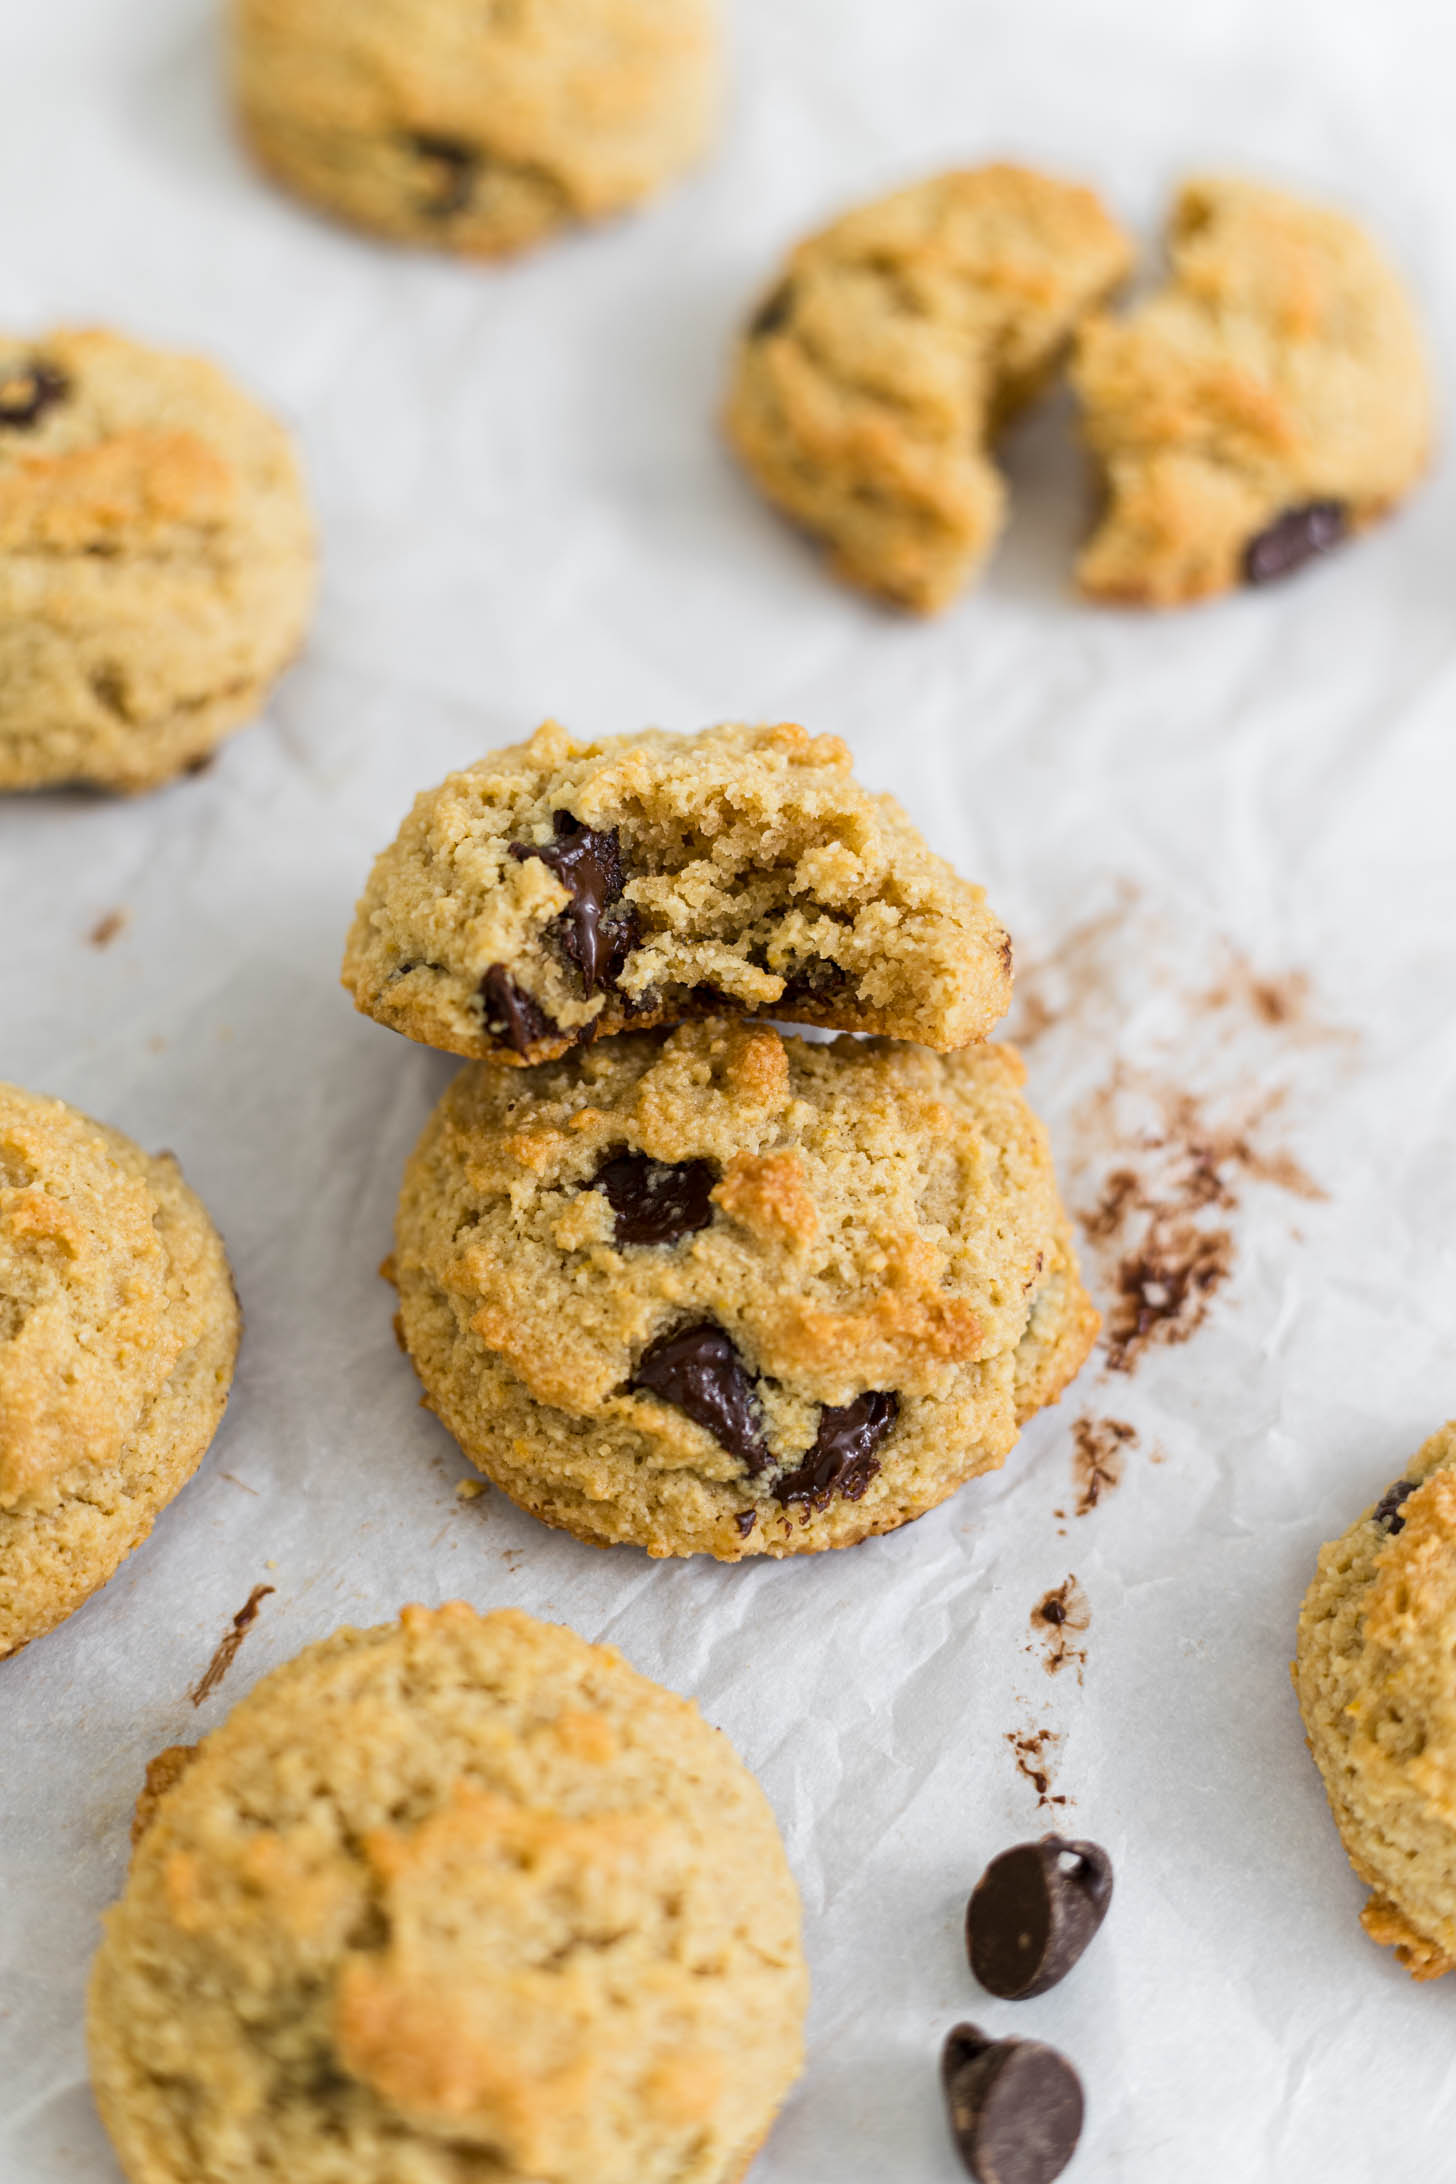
118, 1333
477, 126
156, 560
892, 349
561, 890
867, 1286
462, 1900
1373, 1675
1271, 399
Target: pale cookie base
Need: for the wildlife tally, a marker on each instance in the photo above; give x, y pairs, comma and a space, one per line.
1282, 366
1373, 1676
481, 132
892, 349
885, 1219
458, 1897
156, 565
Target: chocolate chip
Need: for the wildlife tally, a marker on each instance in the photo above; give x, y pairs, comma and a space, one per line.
1385, 1510
511, 1015
1294, 538
745, 1521
456, 165
657, 1201
773, 312
1015, 2107
1033, 1912
697, 1369
842, 1460
588, 863
28, 390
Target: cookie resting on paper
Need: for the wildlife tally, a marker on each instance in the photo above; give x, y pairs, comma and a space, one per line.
1373, 1676
876, 372
1271, 400
728, 1292
560, 891
474, 128
118, 1332
461, 1897
156, 560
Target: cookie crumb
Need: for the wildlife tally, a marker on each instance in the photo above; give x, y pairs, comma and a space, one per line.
106, 928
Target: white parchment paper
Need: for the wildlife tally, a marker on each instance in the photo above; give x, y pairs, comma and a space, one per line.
1223, 841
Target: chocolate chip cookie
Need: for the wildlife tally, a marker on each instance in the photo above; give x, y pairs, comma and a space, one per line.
724, 1291
461, 1897
118, 1331
477, 126
562, 890
890, 350
156, 560
1373, 1673
1271, 400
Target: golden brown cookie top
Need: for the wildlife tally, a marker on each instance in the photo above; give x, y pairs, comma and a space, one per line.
562, 889
1280, 371
457, 1886
93, 1306
891, 347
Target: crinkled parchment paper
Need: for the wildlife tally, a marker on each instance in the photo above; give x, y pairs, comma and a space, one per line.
1223, 841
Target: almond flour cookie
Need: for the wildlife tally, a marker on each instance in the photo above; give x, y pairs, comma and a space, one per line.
1271, 400
474, 125
558, 891
727, 1292
118, 1332
890, 352
459, 1898
1377, 1636
156, 560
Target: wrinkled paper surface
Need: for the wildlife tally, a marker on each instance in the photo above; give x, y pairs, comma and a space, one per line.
1222, 841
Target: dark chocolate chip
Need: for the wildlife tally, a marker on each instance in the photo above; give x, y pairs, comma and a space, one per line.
1294, 538
1033, 1912
456, 165
588, 863
697, 1369
28, 390
511, 1016
816, 981
745, 1521
773, 312
842, 1460
1015, 2107
657, 1201
1387, 1509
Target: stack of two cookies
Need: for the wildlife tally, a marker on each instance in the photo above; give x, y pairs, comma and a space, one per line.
669, 1275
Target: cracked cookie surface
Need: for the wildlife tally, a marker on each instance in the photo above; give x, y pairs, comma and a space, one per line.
477, 126
727, 1292
156, 560
1377, 1633
118, 1332
562, 890
894, 345
460, 1897
1272, 399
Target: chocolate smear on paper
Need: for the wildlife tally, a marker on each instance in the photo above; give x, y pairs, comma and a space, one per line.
1099, 1459
1059, 1623
232, 1639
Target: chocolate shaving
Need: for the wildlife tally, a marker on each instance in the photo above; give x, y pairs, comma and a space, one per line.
232, 1639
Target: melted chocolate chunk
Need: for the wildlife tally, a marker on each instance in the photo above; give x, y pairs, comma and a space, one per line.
842, 1460
1033, 1912
1387, 1509
510, 1014
456, 166
28, 390
1015, 2107
657, 1201
745, 1521
698, 1370
1294, 538
773, 312
588, 863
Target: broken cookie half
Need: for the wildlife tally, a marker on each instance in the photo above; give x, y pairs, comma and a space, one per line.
1271, 400
562, 891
